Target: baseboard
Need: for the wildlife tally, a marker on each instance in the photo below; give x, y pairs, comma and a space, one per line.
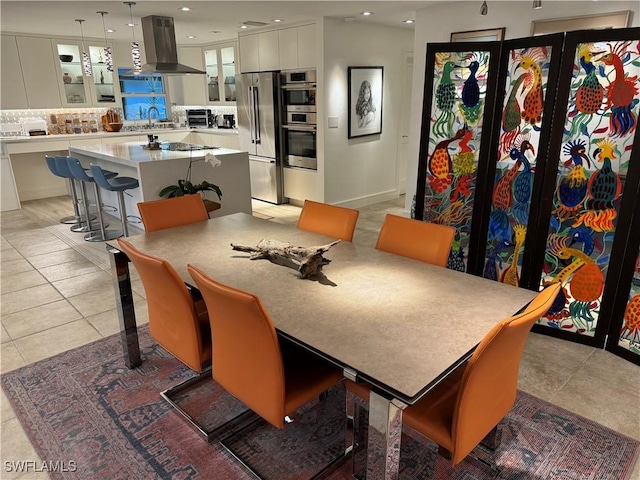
38, 193
369, 199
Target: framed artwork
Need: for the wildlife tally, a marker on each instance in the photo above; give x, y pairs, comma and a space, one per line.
584, 22
365, 101
490, 35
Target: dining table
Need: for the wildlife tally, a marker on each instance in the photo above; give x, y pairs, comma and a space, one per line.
398, 324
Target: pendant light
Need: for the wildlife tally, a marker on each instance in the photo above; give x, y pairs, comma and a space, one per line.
484, 9
537, 4
86, 62
135, 48
108, 55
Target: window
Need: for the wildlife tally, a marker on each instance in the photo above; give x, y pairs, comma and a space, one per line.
141, 92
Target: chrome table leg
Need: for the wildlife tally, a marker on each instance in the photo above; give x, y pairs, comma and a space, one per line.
124, 307
385, 430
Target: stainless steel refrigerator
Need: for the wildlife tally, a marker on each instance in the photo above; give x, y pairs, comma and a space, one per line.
259, 118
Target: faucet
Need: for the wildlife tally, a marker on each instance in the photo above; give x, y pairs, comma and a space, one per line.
149, 113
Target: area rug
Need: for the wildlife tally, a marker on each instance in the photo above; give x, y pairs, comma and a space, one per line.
85, 409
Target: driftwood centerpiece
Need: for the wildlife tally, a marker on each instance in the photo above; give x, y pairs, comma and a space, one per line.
309, 259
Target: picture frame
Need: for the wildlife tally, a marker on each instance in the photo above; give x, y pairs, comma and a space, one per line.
582, 22
487, 35
365, 88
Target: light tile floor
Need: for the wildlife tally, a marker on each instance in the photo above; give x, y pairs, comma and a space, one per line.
56, 294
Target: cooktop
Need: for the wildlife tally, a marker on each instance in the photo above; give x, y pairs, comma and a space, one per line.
186, 147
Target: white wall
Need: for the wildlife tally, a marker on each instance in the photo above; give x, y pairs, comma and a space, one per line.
359, 171
435, 24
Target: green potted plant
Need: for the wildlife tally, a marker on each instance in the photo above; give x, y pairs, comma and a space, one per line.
187, 187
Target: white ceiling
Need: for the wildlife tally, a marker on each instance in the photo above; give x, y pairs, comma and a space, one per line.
56, 18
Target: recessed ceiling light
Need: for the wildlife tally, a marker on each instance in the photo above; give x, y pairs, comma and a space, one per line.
366, 14
185, 9
349, 19
110, 30
409, 21
215, 31
244, 26
277, 20
191, 36
130, 24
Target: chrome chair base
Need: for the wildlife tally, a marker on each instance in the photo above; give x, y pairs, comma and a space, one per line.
102, 236
210, 434
71, 220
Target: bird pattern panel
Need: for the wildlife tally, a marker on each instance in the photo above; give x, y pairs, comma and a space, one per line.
601, 119
630, 332
460, 85
521, 122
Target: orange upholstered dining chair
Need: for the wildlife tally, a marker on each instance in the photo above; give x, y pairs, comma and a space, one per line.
424, 241
177, 320
172, 212
331, 220
468, 406
273, 378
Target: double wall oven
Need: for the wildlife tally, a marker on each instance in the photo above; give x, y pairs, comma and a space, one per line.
300, 126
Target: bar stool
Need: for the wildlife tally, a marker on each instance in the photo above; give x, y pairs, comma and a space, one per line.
117, 184
85, 226
76, 218
94, 235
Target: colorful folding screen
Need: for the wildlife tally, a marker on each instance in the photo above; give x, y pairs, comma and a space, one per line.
541, 188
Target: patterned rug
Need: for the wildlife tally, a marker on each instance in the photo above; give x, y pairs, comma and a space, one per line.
86, 409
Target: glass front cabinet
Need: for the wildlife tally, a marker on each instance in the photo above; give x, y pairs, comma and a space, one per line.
78, 89
220, 65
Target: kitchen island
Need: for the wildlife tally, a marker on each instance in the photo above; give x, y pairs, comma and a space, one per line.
156, 169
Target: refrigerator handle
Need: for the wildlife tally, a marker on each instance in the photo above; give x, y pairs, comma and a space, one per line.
256, 115
252, 109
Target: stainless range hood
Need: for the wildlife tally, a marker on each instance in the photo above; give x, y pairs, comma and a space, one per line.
160, 48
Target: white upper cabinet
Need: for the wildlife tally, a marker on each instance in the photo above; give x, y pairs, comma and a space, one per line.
220, 65
77, 89
71, 79
193, 86
297, 47
249, 55
307, 48
288, 43
13, 94
259, 52
39, 72
283, 49
268, 51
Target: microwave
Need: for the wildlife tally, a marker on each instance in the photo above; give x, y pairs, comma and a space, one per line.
307, 117
200, 117
302, 96
300, 76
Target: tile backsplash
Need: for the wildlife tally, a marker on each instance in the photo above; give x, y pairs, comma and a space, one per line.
12, 121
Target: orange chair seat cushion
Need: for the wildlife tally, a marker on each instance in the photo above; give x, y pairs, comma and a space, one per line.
432, 416
306, 376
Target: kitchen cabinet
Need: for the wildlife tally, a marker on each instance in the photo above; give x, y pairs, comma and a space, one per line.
297, 47
13, 94
220, 65
74, 92
38, 72
302, 184
104, 85
259, 52
215, 138
189, 89
100, 89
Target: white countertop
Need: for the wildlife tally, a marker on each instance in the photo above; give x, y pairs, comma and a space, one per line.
132, 153
154, 131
